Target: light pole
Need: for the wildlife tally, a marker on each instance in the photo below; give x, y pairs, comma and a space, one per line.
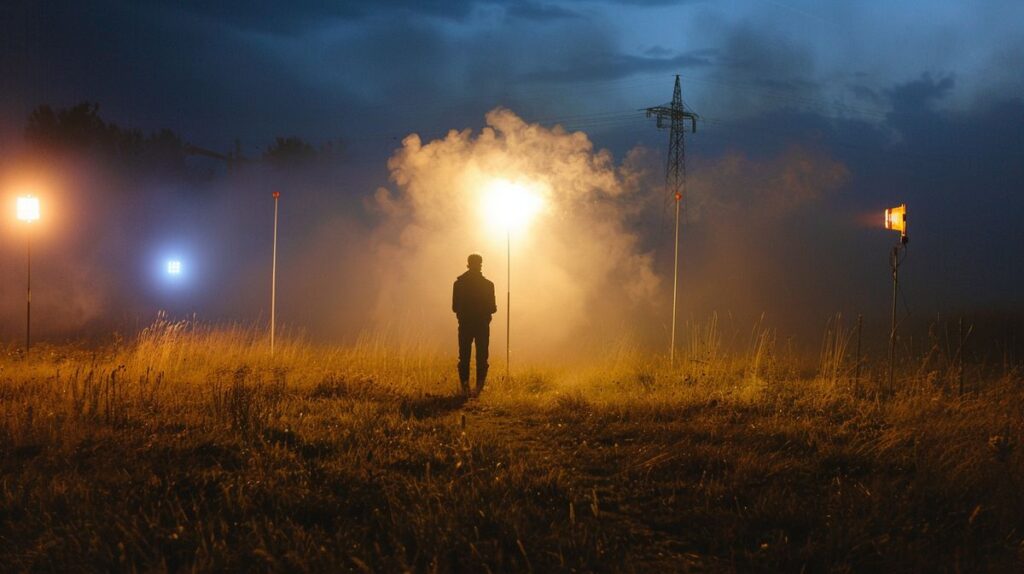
273, 278
510, 206
675, 284
508, 302
895, 219
28, 211
675, 115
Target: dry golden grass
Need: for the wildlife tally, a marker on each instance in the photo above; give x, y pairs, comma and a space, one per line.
192, 448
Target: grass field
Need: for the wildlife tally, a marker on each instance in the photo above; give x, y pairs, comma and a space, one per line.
191, 448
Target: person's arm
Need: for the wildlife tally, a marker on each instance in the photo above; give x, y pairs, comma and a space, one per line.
494, 305
455, 298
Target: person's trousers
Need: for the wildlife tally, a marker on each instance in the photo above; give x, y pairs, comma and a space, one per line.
480, 333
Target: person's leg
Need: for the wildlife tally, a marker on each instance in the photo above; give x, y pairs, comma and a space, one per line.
483, 342
465, 348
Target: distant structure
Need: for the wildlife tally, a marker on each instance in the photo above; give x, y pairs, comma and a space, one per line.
675, 116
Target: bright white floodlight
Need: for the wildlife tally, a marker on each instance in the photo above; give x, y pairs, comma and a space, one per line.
174, 267
28, 208
510, 206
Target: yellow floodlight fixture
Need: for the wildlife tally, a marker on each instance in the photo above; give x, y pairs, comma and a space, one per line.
896, 219
28, 208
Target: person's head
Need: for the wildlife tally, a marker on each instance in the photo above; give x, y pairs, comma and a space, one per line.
474, 262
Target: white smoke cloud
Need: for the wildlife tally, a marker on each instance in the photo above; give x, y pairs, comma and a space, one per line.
576, 269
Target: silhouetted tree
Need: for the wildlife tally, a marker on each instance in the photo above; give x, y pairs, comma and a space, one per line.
289, 152
80, 129
76, 128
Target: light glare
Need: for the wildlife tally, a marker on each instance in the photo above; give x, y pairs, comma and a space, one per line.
28, 208
174, 267
896, 218
510, 206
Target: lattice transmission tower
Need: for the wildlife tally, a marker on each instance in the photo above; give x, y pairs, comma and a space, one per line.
675, 116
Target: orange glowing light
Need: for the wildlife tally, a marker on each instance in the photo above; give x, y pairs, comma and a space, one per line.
28, 208
896, 219
510, 206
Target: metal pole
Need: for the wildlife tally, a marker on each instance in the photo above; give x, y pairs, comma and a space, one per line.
508, 304
28, 294
895, 264
273, 279
675, 284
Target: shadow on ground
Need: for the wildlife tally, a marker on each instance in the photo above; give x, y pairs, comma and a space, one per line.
431, 405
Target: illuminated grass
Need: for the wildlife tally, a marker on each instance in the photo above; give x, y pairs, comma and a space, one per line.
193, 448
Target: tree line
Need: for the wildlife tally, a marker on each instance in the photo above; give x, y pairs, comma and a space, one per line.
80, 129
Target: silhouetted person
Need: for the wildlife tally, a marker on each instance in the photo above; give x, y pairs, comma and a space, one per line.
473, 303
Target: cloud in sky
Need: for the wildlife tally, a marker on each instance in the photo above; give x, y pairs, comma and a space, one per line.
216, 71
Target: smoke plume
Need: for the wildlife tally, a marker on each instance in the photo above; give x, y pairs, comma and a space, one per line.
577, 271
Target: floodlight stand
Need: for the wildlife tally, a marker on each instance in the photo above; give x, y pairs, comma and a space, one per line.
28, 294
508, 304
894, 265
273, 280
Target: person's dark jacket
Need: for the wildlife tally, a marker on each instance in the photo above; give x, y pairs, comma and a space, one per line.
473, 297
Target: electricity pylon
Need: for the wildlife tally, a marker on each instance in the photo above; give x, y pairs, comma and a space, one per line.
675, 177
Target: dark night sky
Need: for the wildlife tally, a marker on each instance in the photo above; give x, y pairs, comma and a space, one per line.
909, 101
215, 71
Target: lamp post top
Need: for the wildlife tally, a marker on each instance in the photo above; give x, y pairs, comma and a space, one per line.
28, 208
